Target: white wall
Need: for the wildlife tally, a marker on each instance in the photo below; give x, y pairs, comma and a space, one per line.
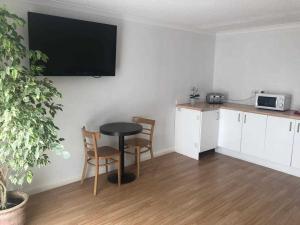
258, 60
155, 67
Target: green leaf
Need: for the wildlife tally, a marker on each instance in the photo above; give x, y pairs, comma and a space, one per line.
29, 177
26, 99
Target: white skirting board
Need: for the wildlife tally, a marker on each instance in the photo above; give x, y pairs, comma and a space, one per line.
41, 188
261, 162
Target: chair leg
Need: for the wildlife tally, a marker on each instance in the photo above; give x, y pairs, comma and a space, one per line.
84, 171
96, 177
138, 156
106, 166
151, 152
135, 156
119, 171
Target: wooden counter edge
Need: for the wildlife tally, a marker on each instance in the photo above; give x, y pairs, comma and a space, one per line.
204, 107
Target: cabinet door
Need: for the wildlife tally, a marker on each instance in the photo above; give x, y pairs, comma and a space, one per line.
253, 134
187, 132
296, 147
230, 129
209, 130
279, 140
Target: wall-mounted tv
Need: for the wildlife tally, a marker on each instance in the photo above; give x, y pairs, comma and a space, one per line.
74, 47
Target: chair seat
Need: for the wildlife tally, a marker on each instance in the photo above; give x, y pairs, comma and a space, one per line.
140, 142
104, 152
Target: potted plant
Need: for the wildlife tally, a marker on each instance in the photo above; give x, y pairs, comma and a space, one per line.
27, 111
195, 95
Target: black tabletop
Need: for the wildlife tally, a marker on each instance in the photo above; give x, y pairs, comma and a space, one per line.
121, 129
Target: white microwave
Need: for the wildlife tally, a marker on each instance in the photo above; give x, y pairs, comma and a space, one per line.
280, 102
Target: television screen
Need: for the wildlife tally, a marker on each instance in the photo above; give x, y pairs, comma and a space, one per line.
74, 47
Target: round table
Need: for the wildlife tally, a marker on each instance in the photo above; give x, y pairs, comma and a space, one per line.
121, 129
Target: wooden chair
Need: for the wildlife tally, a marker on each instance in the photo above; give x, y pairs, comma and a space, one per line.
141, 145
95, 154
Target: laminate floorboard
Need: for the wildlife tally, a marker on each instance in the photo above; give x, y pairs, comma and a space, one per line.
174, 189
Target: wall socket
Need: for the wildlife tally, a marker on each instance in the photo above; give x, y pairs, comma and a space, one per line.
254, 92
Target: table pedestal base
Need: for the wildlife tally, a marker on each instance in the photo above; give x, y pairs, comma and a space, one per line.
125, 178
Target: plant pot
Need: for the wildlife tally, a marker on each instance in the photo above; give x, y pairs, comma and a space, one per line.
193, 101
15, 213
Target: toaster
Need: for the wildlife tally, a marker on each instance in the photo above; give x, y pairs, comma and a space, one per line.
215, 98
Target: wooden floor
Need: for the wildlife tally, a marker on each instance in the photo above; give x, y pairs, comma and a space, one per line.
174, 189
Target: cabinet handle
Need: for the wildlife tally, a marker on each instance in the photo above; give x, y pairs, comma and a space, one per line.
298, 129
291, 126
239, 117
218, 115
245, 118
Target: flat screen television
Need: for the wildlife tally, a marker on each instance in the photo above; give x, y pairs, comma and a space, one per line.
74, 47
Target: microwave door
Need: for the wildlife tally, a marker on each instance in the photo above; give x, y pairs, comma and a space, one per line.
267, 102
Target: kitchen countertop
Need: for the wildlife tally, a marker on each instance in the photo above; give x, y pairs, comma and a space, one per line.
203, 107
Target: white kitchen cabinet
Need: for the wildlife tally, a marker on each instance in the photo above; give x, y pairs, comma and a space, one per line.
209, 130
230, 129
274, 141
187, 132
279, 140
296, 147
253, 134
195, 131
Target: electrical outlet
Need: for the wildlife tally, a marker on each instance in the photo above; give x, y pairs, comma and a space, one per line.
254, 92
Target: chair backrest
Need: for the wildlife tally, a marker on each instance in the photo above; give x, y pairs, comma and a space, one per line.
148, 126
90, 141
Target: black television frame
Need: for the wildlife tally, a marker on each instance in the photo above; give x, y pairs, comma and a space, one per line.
93, 74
